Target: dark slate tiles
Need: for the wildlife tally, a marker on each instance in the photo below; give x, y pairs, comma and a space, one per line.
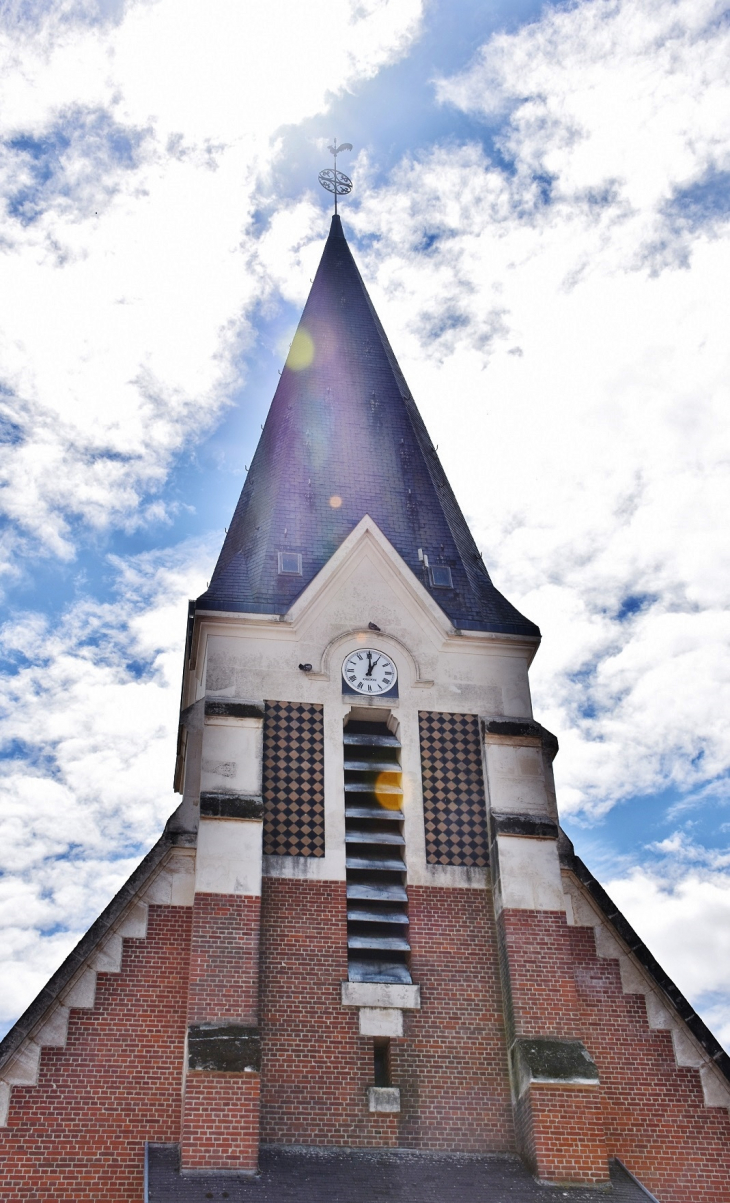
318, 1175
343, 439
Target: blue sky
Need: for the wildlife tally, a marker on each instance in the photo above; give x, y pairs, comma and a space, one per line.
541, 213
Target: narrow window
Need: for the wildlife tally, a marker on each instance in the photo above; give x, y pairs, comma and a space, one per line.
290, 563
440, 576
381, 1061
377, 915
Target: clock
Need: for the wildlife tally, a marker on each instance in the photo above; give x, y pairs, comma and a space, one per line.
370, 672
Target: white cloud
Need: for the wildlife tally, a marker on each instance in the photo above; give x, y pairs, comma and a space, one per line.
625, 92
43, 919
684, 918
92, 707
579, 341
132, 154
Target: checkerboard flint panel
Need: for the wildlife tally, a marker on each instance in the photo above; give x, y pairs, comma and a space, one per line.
454, 807
293, 780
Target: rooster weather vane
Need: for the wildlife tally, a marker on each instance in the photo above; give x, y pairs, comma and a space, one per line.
332, 179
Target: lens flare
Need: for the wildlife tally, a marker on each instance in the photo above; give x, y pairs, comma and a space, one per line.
301, 352
335, 501
384, 784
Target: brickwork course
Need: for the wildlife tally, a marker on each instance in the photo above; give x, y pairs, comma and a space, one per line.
224, 958
208, 1038
315, 1067
221, 1122
653, 1110
79, 1135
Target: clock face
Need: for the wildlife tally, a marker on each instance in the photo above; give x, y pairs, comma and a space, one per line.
368, 671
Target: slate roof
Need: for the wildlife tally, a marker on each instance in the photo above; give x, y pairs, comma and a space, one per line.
346, 426
312, 1175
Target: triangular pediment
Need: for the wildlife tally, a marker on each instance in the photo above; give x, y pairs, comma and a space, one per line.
366, 577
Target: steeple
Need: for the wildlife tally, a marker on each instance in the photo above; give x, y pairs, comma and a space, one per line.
343, 438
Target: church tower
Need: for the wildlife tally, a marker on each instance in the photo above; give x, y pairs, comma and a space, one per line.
362, 927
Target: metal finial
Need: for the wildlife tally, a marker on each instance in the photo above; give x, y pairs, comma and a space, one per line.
334, 180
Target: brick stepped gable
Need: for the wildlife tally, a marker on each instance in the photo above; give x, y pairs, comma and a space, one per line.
165, 878
643, 1044
670, 1045
622, 1031
666, 1008
660, 1014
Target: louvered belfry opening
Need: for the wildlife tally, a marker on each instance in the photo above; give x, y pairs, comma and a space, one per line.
377, 912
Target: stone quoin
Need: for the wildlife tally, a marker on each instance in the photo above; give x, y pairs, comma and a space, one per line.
362, 928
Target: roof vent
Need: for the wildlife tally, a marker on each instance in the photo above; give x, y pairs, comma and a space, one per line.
440, 576
290, 563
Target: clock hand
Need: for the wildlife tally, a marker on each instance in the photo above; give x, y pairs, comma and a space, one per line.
370, 664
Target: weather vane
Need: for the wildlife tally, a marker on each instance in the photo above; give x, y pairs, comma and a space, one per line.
334, 180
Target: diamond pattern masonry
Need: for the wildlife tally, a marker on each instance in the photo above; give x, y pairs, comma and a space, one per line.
293, 780
454, 808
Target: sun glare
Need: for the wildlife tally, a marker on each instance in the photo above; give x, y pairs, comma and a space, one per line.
301, 352
385, 786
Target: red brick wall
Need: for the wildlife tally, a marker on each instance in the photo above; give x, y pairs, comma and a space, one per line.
562, 1137
560, 1132
452, 1065
542, 983
224, 958
654, 1114
221, 1125
78, 1136
315, 1067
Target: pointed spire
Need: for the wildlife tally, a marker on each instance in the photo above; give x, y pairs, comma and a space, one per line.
343, 438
